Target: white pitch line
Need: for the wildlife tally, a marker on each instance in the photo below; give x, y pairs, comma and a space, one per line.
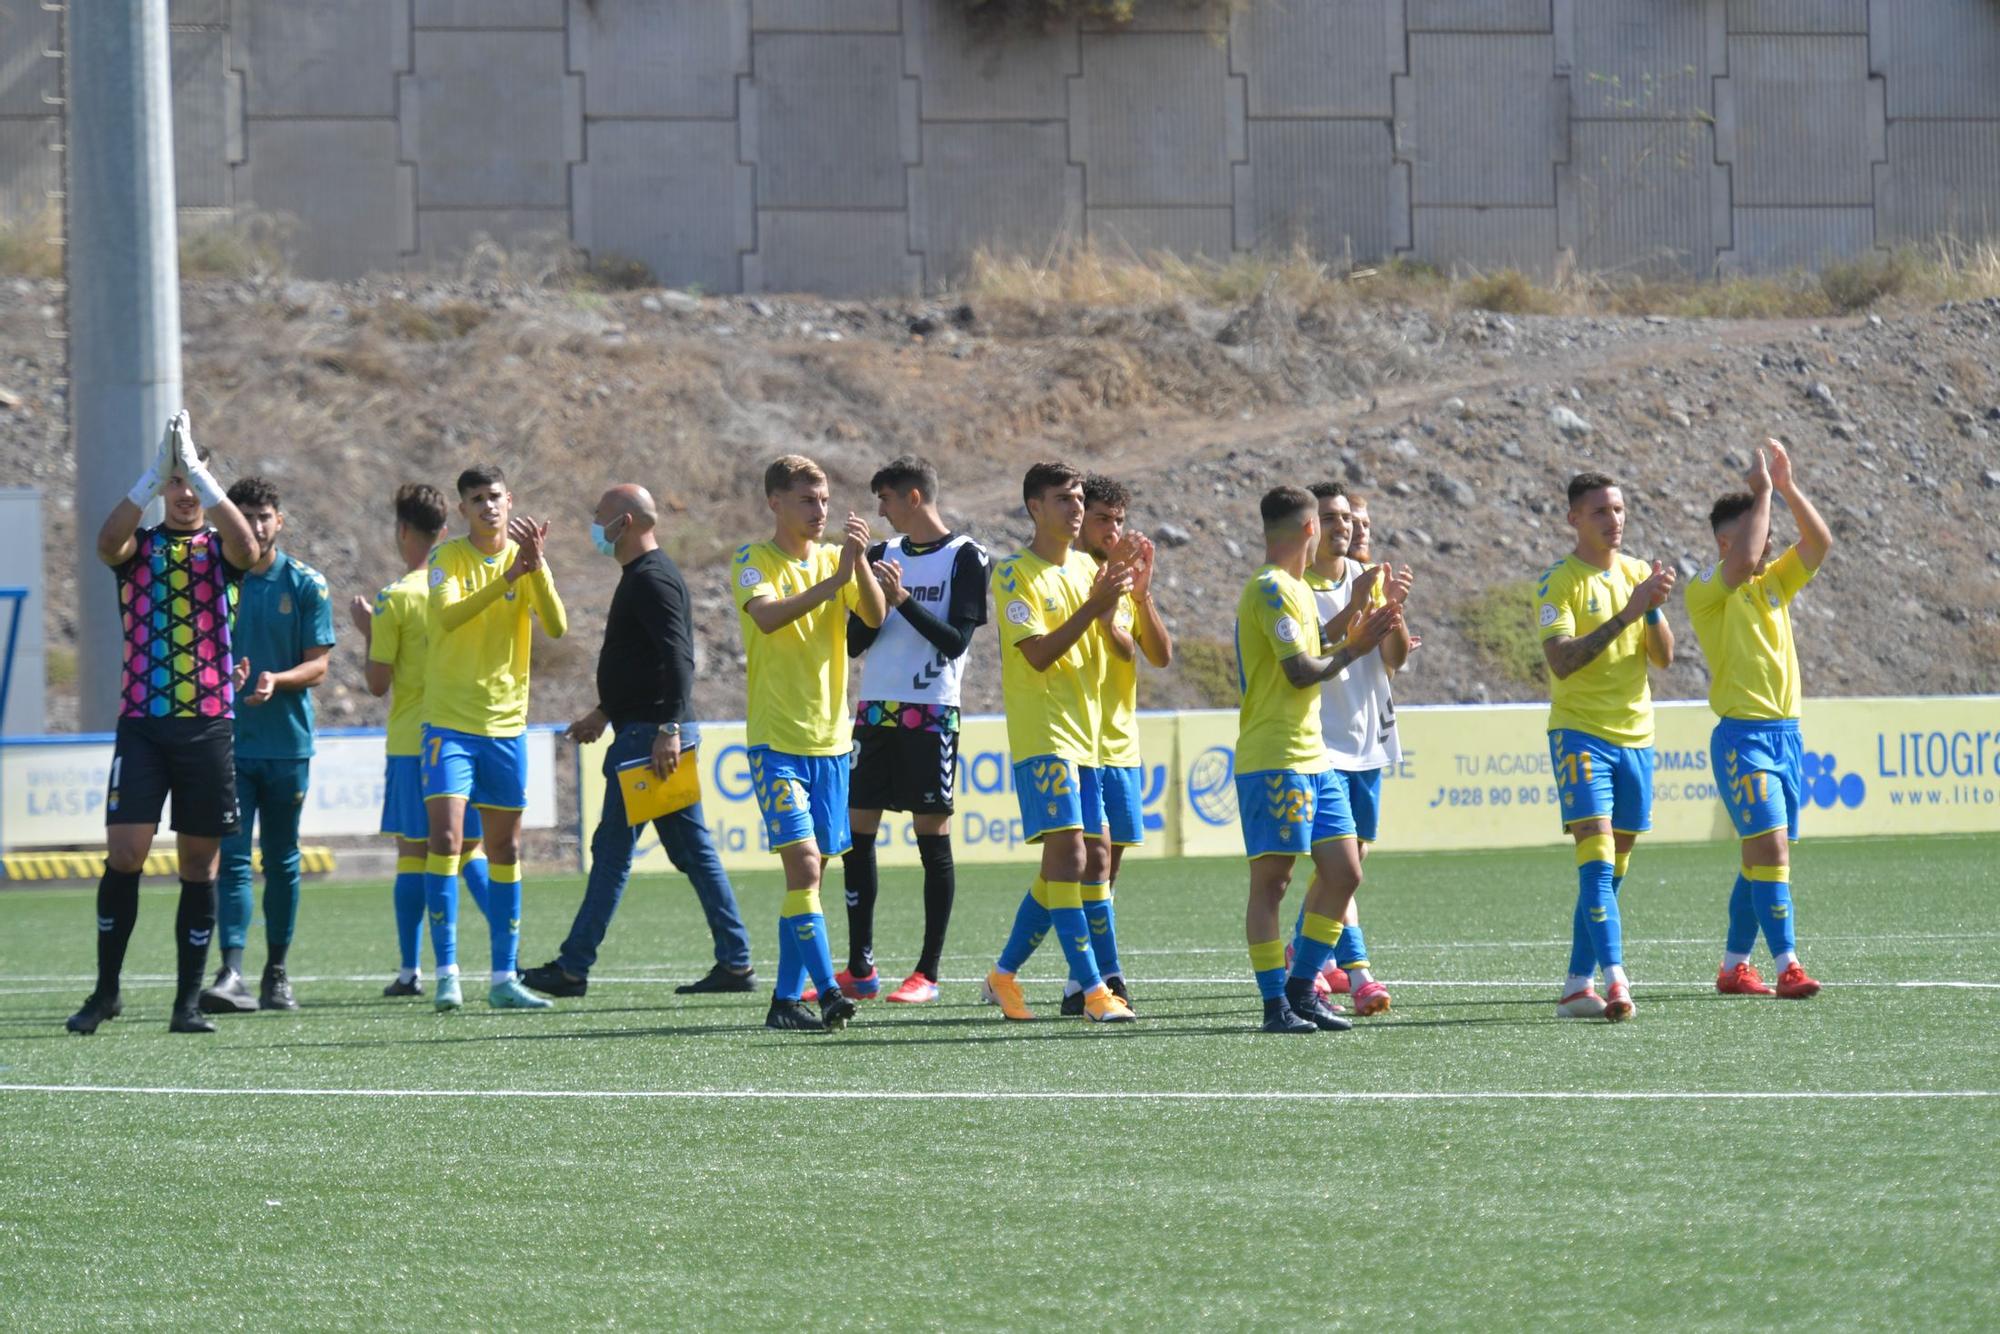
1027, 1095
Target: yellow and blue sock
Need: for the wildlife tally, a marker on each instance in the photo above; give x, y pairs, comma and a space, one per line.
1267, 961
441, 898
478, 878
1771, 891
1742, 937
1351, 951
790, 983
1103, 921
503, 918
409, 895
1620, 863
1072, 928
1596, 902
1315, 945
1031, 923
802, 920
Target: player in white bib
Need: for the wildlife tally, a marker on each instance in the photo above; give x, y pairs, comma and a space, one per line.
1357, 712
906, 724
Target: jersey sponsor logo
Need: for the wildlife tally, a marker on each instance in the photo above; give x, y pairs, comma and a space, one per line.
1019, 612
750, 578
1287, 630
1549, 614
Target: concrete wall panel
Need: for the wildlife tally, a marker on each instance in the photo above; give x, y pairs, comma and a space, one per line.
1802, 120
1481, 16
198, 13
670, 194
491, 120
29, 166
1770, 240
1319, 57
1639, 197
445, 235
676, 58
826, 15
1182, 231
1327, 184
202, 126
1942, 179
1008, 187
968, 74
1461, 151
1487, 238
844, 253
322, 57
1156, 120
341, 180
1803, 16
26, 30
1640, 60
1941, 58
1206, 16
829, 128
490, 13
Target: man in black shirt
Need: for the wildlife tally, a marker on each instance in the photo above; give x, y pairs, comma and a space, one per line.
644, 674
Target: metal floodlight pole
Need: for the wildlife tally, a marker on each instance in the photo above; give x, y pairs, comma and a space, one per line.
124, 296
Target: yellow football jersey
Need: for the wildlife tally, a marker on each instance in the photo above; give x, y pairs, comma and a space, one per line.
476, 677
1746, 635
1118, 727
399, 640
798, 674
1609, 697
1059, 711
1278, 724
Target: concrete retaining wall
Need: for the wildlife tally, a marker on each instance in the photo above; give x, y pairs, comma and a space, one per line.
872, 145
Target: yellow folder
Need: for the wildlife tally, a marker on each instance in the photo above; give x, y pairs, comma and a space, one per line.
648, 796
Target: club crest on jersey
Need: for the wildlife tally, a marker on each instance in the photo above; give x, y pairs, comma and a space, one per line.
1591, 606
1019, 612
750, 578
1549, 614
284, 604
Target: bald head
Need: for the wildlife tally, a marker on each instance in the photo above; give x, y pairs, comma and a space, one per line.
628, 500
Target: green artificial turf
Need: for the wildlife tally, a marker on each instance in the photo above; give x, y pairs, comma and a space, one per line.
1097, 1206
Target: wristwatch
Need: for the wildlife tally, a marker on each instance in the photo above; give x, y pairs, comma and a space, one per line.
671, 729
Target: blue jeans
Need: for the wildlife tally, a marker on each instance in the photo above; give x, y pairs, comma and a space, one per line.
684, 835
271, 795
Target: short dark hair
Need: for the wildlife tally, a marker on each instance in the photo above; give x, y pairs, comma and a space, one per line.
908, 473
1281, 504
787, 470
1048, 475
253, 492
1326, 490
1584, 483
421, 506
1730, 508
1109, 492
480, 475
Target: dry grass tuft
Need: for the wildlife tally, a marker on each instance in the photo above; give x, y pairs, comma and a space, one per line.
31, 248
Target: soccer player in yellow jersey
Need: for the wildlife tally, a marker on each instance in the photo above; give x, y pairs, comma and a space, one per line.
486, 590
1052, 599
1114, 816
393, 631
1291, 803
1600, 619
1741, 611
793, 594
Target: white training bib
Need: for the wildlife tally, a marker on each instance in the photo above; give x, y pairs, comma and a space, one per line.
1357, 716
902, 665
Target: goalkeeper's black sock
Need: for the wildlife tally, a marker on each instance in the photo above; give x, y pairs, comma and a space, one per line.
194, 927
940, 886
858, 869
117, 911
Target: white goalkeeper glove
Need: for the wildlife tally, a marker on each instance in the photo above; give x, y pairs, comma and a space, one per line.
154, 480
189, 464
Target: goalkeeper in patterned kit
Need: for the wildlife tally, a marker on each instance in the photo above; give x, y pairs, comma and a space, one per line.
1591, 605
1052, 599
793, 594
283, 634
1131, 629
394, 633
176, 584
1357, 717
906, 723
1291, 803
487, 589
1741, 611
